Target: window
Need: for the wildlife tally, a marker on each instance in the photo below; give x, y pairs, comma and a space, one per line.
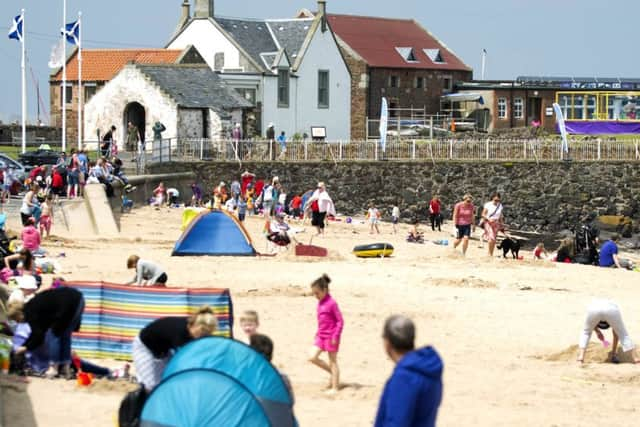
502, 108
69, 94
248, 94
218, 61
89, 91
591, 107
578, 107
435, 56
447, 84
283, 88
518, 108
407, 54
394, 81
323, 89
419, 83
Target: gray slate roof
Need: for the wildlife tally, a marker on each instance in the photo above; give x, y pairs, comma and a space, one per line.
194, 86
255, 37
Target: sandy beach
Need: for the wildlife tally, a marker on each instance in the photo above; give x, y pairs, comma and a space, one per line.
506, 329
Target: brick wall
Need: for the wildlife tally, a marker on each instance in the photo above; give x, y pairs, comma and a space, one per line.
55, 106
407, 95
359, 93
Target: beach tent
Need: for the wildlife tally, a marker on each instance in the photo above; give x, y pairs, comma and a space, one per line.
219, 381
214, 233
189, 215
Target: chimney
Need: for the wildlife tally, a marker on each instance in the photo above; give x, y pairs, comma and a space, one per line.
204, 9
184, 19
322, 11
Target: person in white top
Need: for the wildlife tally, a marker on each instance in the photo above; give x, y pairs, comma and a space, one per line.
492, 221
602, 314
373, 214
321, 205
395, 218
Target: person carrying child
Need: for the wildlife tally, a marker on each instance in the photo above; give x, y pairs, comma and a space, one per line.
373, 215
330, 324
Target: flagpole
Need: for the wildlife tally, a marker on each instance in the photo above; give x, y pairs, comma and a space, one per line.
80, 91
24, 88
64, 76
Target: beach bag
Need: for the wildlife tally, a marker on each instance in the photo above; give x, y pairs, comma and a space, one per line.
131, 408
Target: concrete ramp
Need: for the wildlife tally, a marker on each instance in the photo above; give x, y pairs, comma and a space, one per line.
89, 216
104, 222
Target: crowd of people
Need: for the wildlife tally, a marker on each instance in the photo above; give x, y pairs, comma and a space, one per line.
45, 317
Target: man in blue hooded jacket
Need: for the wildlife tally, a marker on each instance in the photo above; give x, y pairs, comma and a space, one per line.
413, 394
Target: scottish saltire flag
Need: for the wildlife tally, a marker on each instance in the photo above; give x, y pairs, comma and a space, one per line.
72, 33
16, 28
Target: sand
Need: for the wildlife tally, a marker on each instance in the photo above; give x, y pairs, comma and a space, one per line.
506, 329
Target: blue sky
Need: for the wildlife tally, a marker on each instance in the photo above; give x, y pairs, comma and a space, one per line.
522, 37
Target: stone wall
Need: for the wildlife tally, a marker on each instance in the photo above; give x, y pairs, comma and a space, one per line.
545, 197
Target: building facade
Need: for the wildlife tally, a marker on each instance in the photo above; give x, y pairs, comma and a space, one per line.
170, 94
396, 59
99, 66
589, 105
290, 69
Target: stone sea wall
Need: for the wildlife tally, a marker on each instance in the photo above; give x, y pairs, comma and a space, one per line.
548, 197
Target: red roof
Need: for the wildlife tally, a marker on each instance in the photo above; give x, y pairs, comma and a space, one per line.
376, 39
102, 65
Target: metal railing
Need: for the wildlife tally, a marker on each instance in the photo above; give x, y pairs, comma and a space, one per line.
180, 150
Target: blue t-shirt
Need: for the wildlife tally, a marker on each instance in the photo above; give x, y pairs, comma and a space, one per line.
606, 253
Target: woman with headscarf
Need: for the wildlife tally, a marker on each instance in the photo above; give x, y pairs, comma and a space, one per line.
321, 205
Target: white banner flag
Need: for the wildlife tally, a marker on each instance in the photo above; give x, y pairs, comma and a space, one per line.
57, 54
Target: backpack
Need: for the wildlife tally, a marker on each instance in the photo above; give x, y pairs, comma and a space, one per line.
131, 408
267, 193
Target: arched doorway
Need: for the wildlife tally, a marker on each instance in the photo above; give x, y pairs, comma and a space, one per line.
134, 112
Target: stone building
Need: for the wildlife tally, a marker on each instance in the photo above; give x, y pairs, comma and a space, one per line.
190, 100
291, 70
397, 59
99, 66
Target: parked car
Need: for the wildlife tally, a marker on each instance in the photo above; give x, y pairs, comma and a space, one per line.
19, 172
44, 155
18, 169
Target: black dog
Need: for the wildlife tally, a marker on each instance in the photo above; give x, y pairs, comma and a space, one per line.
510, 244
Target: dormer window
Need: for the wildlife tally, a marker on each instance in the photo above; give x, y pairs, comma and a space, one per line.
435, 56
407, 54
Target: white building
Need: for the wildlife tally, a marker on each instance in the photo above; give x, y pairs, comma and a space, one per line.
291, 70
190, 100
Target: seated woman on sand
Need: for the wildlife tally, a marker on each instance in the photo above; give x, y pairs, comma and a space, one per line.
566, 251
147, 272
602, 314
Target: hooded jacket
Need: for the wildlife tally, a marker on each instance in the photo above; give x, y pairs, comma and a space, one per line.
413, 394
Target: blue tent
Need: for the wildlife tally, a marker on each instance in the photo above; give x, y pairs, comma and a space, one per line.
237, 379
214, 233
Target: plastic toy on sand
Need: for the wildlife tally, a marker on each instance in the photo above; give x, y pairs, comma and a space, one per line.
373, 250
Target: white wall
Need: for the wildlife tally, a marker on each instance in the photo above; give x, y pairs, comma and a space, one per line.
323, 54
208, 40
107, 106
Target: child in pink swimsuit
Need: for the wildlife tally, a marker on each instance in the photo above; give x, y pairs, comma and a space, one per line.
330, 325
